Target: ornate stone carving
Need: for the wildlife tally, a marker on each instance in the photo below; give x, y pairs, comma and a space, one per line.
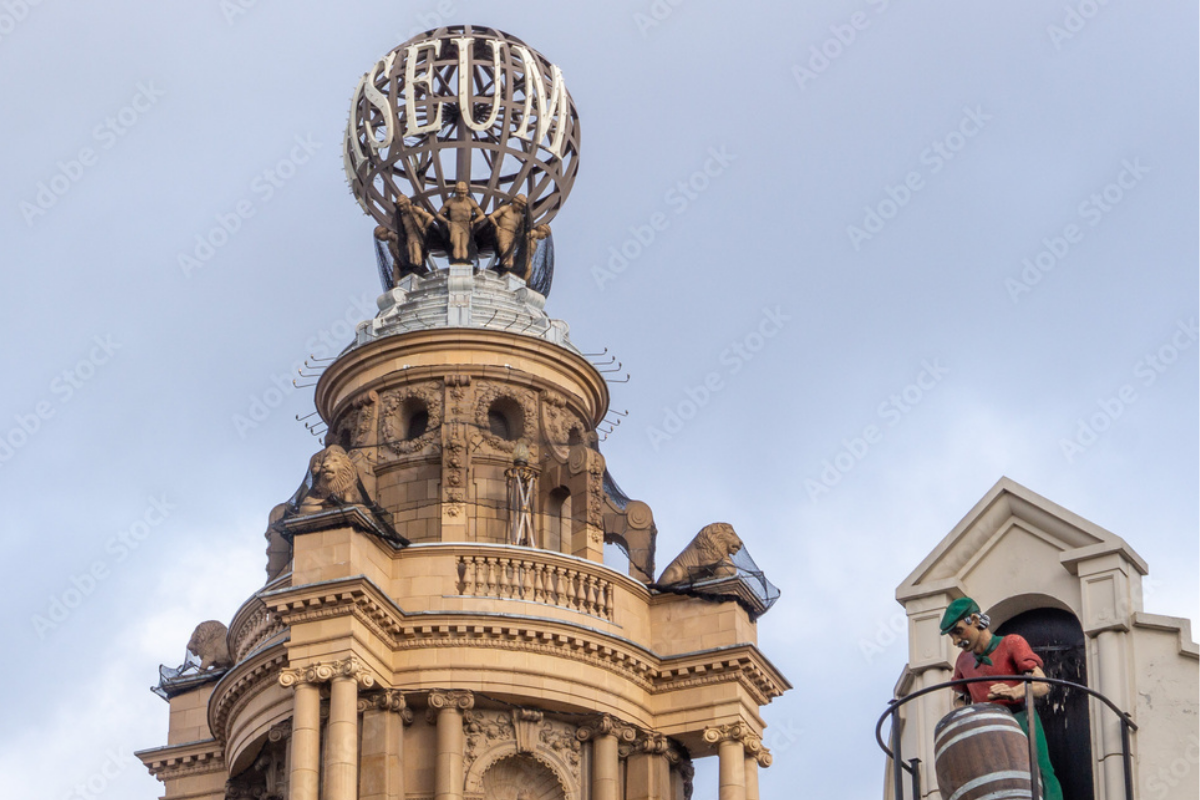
323, 672
608, 725
208, 643
518, 399
461, 699
333, 480
396, 409
389, 700
266, 778
457, 388
741, 733
559, 422
707, 556
497, 737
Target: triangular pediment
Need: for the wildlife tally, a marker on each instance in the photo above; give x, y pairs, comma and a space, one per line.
1011, 516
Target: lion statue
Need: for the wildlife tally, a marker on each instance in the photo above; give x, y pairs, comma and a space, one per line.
208, 643
708, 556
333, 480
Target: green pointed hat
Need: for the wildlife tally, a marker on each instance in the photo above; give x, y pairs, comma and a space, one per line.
960, 609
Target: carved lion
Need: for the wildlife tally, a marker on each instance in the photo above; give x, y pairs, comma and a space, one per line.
208, 643
708, 556
334, 481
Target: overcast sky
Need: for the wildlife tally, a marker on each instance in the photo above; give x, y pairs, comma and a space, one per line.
969, 228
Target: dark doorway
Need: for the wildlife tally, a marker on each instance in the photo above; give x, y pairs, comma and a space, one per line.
1057, 637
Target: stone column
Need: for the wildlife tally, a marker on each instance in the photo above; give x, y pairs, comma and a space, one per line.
303, 780
751, 778
606, 768
341, 745
384, 716
738, 747
451, 741
732, 770
606, 736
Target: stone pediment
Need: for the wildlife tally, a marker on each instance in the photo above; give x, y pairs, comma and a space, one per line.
1012, 530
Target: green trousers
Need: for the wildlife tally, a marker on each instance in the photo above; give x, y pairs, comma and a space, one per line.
1051, 789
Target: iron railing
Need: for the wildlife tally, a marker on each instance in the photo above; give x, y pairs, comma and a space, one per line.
899, 766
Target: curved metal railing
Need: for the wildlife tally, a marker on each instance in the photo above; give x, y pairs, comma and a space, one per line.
899, 766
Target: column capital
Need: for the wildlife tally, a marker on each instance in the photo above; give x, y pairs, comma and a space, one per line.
325, 671
387, 700
460, 699
607, 725
741, 733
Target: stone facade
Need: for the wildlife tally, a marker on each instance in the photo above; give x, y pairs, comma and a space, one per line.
409, 649
1017, 552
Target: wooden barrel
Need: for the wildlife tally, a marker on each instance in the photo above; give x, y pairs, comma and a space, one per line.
980, 751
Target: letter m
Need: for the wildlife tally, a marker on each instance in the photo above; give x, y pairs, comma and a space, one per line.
551, 102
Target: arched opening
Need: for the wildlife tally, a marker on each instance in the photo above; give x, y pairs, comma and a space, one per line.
558, 521
506, 420
616, 554
1057, 636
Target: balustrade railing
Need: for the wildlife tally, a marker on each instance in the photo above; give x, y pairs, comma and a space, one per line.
517, 578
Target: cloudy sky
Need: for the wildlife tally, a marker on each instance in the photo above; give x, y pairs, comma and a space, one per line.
970, 230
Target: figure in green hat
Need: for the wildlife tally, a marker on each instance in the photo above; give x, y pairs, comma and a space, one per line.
984, 653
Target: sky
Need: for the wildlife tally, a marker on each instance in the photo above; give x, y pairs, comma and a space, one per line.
902, 249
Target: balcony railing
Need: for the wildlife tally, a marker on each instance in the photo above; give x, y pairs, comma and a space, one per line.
899, 766
518, 578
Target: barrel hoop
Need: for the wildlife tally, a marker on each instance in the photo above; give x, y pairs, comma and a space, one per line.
1003, 793
972, 732
1007, 775
971, 718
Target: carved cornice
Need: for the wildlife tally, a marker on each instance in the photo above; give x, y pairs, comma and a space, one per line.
180, 761
326, 671
364, 602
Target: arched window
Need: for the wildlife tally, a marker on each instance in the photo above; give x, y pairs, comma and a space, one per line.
1057, 637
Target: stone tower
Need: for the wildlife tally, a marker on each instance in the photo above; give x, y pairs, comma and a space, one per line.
438, 619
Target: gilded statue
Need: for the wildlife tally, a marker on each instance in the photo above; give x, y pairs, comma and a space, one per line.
511, 223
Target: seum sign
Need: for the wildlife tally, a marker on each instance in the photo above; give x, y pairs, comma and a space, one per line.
462, 104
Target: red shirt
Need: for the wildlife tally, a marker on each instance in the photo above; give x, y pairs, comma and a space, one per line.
1012, 656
